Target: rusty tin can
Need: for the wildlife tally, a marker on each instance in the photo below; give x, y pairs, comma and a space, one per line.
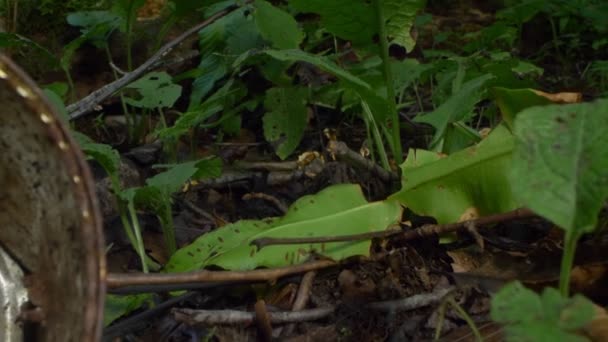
52, 264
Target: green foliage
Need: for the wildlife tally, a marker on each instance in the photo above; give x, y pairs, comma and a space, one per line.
551, 147
277, 26
457, 108
379, 107
337, 210
156, 89
156, 194
513, 101
285, 119
107, 157
560, 161
54, 93
354, 20
548, 317
117, 306
470, 182
127, 10
227, 99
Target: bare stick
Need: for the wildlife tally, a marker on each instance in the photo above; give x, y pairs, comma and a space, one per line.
212, 317
115, 280
412, 302
424, 231
340, 150
86, 104
277, 203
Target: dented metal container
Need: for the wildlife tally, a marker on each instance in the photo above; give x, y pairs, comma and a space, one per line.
52, 265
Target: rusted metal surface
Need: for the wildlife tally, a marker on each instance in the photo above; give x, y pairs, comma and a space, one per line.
49, 220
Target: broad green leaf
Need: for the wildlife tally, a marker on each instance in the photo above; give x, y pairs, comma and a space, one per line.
156, 89
355, 20
86, 20
105, 155
516, 303
352, 20
172, 179
337, 210
117, 306
285, 119
457, 107
473, 181
526, 316
513, 101
277, 26
560, 162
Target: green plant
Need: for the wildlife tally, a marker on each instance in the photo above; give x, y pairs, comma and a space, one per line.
461, 175
341, 207
548, 317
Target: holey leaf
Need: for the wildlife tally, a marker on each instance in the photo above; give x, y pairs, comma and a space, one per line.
156, 89
560, 162
469, 183
355, 20
337, 210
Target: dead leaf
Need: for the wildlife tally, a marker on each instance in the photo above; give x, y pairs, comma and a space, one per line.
560, 97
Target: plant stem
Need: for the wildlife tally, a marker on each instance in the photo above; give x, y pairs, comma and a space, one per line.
570, 240
388, 80
168, 227
130, 117
132, 239
373, 127
137, 231
465, 316
129, 35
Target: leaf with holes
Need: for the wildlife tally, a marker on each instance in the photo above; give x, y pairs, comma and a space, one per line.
337, 210
156, 90
285, 119
560, 162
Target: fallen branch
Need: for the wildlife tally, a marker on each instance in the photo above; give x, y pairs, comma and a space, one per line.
402, 235
115, 280
211, 317
194, 317
342, 152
